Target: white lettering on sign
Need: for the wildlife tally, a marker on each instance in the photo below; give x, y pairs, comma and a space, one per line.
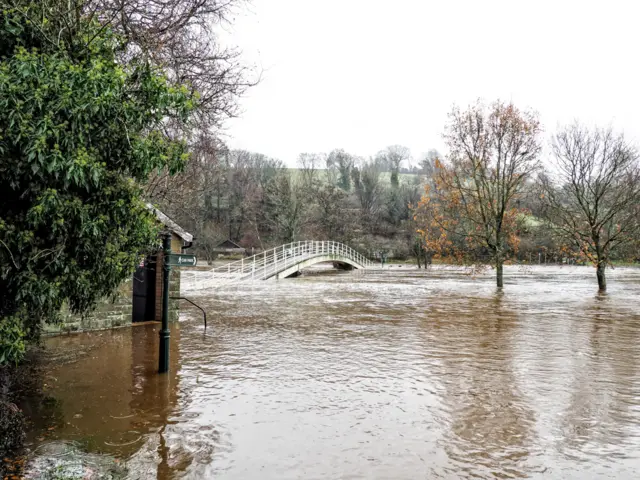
179, 260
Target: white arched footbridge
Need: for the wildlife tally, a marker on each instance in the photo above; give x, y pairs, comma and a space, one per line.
280, 262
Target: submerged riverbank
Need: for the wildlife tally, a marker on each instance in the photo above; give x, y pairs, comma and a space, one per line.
400, 374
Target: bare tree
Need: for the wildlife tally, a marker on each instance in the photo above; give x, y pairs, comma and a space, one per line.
210, 236
393, 156
428, 162
344, 162
193, 195
369, 191
180, 37
287, 203
308, 164
594, 199
331, 171
243, 192
329, 213
474, 203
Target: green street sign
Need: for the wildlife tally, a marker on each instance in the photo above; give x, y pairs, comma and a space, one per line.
181, 260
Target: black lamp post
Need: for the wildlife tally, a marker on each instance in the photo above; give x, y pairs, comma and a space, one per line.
163, 365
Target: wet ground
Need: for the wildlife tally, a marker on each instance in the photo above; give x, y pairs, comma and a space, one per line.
394, 375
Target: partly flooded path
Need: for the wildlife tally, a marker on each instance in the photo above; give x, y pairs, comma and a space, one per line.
400, 375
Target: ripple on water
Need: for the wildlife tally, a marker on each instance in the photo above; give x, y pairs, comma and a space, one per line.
407, 374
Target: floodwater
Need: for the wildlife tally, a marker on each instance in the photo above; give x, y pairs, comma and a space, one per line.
394, 375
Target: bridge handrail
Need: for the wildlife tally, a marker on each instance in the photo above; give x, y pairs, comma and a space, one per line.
314, 247
281, 257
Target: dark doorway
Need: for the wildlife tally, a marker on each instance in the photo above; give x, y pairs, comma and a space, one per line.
144, 291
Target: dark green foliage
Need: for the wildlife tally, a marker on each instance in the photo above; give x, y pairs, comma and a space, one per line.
344, 163
333, 221
286, 205
395, 179
12, 345
79, 133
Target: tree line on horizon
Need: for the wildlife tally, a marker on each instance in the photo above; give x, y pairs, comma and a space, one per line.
259, 203
491, 200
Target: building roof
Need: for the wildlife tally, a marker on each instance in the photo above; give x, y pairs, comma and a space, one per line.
229, 244
170, 224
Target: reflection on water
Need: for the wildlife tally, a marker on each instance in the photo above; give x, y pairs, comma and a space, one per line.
491, 427
398, 375
111, 398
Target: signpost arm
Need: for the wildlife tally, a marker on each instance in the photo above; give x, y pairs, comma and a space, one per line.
163, 365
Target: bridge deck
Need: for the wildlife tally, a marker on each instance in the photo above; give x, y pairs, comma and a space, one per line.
280, 261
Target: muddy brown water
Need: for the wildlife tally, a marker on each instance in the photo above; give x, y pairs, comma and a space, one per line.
400, 375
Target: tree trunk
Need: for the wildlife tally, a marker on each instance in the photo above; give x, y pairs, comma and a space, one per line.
218, 208
602, 280
499, 272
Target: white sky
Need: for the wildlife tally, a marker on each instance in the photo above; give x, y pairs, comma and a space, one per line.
361, 75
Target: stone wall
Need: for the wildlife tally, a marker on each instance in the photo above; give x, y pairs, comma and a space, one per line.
114, 313
174, 291
109, 313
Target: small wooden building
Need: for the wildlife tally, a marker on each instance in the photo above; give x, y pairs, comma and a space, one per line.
147, 280
229, 247
180, 239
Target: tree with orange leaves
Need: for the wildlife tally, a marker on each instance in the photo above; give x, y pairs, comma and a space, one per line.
471, 205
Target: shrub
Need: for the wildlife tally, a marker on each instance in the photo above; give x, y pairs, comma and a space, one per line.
81, 132
12, 340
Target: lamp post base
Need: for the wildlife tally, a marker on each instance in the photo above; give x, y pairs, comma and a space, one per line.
163, 365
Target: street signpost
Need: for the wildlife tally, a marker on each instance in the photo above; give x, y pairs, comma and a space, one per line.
182, 260
175, 260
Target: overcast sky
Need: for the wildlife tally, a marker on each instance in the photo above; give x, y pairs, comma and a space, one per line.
361, 75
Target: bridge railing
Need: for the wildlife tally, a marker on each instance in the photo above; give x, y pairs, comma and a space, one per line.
270, 262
